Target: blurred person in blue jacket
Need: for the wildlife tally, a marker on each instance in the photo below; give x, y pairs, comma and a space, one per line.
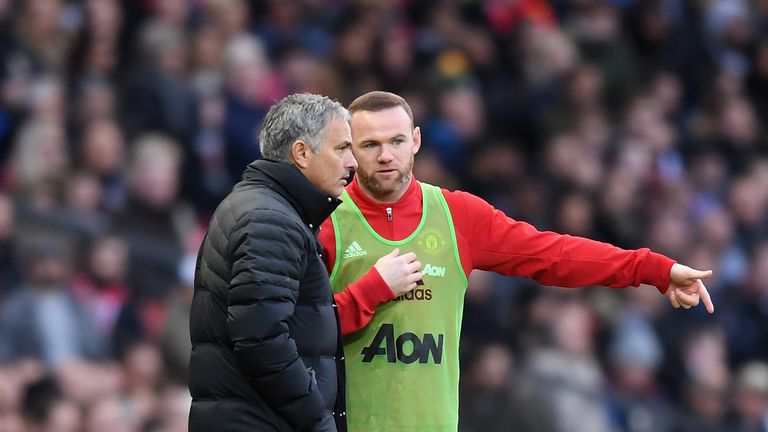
43, 320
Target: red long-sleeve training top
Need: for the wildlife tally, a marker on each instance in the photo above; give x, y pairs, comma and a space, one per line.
489, 240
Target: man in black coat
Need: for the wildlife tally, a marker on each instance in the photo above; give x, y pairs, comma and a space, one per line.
266, 345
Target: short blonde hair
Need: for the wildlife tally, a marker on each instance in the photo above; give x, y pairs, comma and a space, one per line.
379, 101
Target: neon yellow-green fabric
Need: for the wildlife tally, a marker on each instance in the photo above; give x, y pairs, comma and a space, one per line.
403, 367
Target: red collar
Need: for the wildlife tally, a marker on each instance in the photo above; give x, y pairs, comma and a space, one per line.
412, 195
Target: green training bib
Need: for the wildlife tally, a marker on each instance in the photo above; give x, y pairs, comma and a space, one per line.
403, 367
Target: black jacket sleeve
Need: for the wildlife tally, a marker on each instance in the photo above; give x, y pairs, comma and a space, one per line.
268, 251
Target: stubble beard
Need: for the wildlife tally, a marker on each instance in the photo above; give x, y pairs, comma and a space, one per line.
381, 192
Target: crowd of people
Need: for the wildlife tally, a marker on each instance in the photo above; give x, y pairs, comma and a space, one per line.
124, 123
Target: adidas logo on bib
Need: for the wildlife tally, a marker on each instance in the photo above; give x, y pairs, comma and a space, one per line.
354, 250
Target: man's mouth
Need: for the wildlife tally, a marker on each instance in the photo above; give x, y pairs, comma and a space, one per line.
348, 178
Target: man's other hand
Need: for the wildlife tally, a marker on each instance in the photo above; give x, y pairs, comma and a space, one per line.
400, 272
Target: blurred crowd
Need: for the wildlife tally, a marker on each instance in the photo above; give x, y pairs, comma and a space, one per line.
636, 122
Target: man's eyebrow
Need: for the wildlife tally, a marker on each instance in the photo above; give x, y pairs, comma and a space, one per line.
375, 140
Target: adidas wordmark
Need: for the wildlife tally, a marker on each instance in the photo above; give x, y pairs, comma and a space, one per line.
354, 250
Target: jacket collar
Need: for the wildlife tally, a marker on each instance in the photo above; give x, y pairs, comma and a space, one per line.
312, 204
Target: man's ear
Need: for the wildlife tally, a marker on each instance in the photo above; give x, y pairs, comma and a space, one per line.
300, 154
416, 139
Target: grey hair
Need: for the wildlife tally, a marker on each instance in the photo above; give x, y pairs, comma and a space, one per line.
300, 116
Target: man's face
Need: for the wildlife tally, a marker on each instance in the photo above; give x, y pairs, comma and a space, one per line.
330, 167
384, 143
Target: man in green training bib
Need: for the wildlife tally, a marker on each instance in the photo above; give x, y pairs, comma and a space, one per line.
402, 339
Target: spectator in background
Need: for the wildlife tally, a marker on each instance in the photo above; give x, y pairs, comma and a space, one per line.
294, 24
206, 178
15, 379
175, 342
757, 83
568, 373
353, 53
205, 58
44, 408
41, 162
158, 99
499, 398
575, 215
40, 35
96, 49
154, 222
747, 201
142, 374
303, 71
249, 88
94, 100
108, 415
229, 18
10, 272
174, 408
635, 403
705, 383
459, 127
595, 28
397, 59
43, 320
46, 98
548, 56
81, 205
717, 229
618, 219
728, 32
102, 155
746, 323
751, 405
102, 286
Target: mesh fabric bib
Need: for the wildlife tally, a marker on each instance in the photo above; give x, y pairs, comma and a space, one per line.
403, 367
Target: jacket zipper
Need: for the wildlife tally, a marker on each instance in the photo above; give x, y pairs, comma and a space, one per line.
389, 214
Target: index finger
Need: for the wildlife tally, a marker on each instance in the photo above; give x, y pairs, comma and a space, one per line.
704, 295
409, 257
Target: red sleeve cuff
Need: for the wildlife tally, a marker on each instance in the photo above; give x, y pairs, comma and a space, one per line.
371, 290
656, 271
358, 302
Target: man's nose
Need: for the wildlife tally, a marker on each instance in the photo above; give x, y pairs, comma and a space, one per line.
350, 163
385, 155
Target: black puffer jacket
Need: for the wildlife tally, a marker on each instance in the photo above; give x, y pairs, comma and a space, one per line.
266, 344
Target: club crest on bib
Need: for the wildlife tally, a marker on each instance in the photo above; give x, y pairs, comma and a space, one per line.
432, 241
